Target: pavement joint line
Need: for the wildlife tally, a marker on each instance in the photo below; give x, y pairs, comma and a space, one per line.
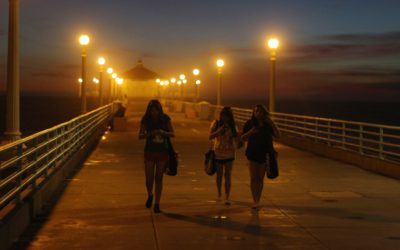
300, 226
155, 231
195, 131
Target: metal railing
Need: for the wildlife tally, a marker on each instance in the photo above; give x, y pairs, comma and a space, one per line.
25, 163
374, 140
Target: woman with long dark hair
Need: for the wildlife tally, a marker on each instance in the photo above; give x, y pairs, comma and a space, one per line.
224, 135
156, 128
258, 132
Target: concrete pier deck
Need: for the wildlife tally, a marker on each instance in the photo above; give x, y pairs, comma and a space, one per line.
316, 203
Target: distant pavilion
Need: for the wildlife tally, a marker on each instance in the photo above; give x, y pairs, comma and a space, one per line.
140, 81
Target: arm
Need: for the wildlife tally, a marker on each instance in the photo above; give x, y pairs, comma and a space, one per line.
214, 132
275, 129
170, 133
249, 133
143, 133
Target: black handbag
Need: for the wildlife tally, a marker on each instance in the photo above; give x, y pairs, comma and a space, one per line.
272, 165
172, 164
210, 166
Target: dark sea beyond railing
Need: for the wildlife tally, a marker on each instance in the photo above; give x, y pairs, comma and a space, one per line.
42, 112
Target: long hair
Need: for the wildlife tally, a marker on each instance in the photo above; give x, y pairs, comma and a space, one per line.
263, 109
227, 111
147, 119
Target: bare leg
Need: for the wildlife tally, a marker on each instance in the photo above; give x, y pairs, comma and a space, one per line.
149, 172
253, 180
160, 168
220, 171
260, 180
228, 174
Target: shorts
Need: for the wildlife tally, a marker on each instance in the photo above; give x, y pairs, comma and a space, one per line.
156, 156
257, 164
224, 161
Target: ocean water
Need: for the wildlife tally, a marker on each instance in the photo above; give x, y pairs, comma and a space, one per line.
42, 112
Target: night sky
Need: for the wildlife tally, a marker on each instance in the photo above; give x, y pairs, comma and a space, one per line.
329, 49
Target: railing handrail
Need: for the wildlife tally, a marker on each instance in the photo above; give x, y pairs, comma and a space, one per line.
35, 156
372, 139
45, 131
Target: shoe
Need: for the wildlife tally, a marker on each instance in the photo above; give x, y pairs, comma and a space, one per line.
149, 201
227, 202
157, 208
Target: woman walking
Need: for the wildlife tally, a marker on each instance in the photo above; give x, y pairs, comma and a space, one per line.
258, 132
156, 128
224, 133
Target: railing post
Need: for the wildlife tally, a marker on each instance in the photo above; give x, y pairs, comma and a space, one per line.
18, 168
35, 156
343, 135
46, 172
361, 138
329, 133
381, 143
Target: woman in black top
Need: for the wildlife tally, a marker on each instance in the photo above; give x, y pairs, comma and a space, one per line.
258, 132
155, 127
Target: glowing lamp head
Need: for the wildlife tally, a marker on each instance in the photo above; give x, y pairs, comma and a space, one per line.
158, 80
179, 82
173, 80
84, 40
95, 80
184, 81
196, 72
120, 81
80, 80
182, 76
101, 61
198, 82
273, 43
110, 71
220, 63
114, 75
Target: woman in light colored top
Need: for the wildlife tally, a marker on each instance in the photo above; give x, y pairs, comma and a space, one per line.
155, 127
258, 132
224, 134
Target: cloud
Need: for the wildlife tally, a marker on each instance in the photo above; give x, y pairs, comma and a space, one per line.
344, 46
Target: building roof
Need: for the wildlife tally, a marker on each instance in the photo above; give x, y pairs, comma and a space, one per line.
140, 73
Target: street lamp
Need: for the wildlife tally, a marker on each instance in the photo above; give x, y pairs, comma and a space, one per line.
198, 82
273, 45
220, 64
110, 83
101, 61
80, 87
12, 132
196, 73
114, 81
119, 81
182, 82
84, 41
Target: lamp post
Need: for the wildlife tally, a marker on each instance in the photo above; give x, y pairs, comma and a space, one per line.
182, 82
80, 87
198, 82
119, 81
96, 82
173, 81
113, 80
110, 83
158, 81
84, 41
220, 64
273, 44
101, 61
196, 73
12, 132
